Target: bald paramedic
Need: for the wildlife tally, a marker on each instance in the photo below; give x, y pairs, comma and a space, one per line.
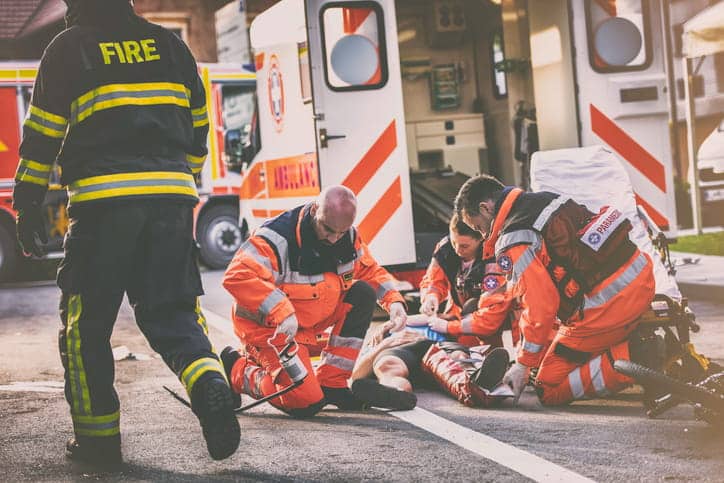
303, 272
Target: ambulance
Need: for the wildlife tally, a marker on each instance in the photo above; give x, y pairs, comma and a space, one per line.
373, 94
230, 91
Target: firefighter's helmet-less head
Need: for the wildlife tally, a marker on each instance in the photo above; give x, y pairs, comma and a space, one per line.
96, 12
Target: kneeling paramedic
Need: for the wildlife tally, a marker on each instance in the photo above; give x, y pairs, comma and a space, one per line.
119, 102
300, 273
478, 308
563, 262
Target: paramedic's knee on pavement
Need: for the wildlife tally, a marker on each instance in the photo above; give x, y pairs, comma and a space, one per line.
129, 167
308, 265
564, 262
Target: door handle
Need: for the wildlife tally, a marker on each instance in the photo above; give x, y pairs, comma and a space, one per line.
324, 137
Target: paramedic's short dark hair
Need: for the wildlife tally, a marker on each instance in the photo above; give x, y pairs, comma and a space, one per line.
458, 227
476, 190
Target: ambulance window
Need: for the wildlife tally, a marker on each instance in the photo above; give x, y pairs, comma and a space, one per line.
497, 56
237, 106
618, 35
353, 45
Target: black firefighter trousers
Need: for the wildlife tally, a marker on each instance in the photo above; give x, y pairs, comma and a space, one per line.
145, 249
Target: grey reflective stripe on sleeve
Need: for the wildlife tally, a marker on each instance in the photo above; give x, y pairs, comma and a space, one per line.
517, 237
522, 263
270, 302
620, 283
336, 361
384, 288
280, 243
548, 211
351, 342
252, 251
246, 314
594, 367
531, 347
576, 383
466, 325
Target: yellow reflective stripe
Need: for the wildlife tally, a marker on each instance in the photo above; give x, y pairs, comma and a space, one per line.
135, 191
196, 163
197, 368
201, 122
53, 133
200, 318
34, 165
131, 176
33, 172
48, 116
104, 425
132, 184
105, 418
134, 87
129, 101
28, 178
115, 95
200, 116
80, 394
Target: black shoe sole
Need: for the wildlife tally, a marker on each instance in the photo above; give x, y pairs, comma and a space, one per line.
218, 420
377, 395
493, 369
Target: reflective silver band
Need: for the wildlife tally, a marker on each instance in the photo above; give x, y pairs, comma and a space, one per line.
351, 342
517, 237
620, 283
336, 361
548, 211
576, 383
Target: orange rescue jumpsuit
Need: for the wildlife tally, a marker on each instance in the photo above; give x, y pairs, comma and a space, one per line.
494, 303
579, 362
277, 274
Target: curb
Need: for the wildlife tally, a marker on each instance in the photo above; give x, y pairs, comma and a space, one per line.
702, 291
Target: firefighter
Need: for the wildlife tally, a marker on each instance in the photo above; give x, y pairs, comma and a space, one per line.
563, 262
119, 105
302, 272
457, 273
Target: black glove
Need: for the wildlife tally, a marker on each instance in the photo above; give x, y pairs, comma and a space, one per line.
31, 230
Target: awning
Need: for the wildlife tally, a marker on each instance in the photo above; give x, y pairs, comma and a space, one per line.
704, 33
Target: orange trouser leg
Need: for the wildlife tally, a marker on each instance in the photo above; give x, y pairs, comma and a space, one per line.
565, 375
561, 380
259, 374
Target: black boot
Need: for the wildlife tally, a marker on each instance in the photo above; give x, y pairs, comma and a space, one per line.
342, 398
228, 357
212, 402
493, 368
377, 395
103, 454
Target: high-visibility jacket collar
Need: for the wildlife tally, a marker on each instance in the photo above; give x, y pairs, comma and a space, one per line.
500, 216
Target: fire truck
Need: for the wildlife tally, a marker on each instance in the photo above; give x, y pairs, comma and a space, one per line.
383, 95
230, 91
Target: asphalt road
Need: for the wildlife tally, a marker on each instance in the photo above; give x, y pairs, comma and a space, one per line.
603, 440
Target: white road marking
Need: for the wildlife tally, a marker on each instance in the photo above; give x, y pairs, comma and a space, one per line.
516, 459
520, 461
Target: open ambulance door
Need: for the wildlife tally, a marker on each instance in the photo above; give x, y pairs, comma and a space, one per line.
622, 95
359, 118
